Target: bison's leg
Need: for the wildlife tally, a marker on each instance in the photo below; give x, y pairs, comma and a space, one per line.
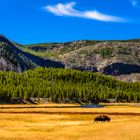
95, 121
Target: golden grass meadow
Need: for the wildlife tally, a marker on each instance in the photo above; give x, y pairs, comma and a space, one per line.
68, 122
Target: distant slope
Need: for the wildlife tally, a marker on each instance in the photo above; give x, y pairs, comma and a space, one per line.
112, 58
54, 50
107, 57
14, 59
117, 58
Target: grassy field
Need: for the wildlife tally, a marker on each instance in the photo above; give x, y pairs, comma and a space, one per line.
55, 122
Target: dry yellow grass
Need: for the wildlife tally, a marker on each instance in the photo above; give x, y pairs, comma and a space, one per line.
112, 110
40, 126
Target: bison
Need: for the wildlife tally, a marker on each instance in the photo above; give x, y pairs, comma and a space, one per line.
102, 118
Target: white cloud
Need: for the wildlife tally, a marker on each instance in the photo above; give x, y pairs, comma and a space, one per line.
135, 3
68, 10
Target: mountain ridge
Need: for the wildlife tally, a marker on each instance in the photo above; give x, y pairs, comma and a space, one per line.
10, 54
116, 58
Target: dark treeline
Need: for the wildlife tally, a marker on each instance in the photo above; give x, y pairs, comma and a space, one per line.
65, 83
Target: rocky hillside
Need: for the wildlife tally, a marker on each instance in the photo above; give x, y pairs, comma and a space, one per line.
14, 59
112, 58
120, 59
117, 58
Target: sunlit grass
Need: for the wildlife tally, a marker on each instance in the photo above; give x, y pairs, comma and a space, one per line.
35, 126
43, 54
113, 109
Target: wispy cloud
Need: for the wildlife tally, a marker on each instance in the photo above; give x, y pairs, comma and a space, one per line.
69, 10
135, 3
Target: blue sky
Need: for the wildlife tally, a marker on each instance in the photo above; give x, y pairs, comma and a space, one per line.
34, 21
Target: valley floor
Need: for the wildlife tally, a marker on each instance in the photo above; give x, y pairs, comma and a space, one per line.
68, 122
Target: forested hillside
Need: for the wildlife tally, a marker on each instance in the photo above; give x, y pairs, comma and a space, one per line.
61, 84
